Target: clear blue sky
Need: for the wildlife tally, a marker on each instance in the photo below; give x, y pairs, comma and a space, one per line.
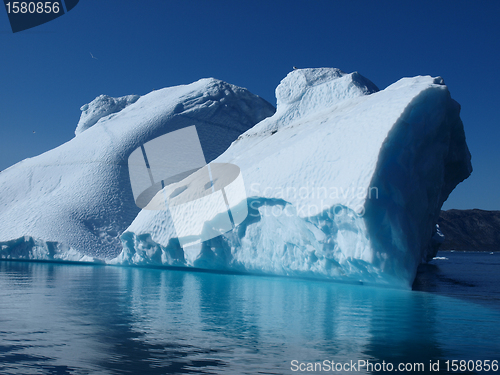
47, 72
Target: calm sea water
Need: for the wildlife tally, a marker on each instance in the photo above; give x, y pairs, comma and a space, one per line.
83, 319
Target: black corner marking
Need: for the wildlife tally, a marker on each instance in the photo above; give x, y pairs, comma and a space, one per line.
70, 4
26, 14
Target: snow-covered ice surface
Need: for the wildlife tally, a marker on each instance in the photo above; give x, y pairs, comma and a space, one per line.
74, 202
344, 182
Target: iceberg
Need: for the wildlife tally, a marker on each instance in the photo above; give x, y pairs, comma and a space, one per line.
75, 201
343, 182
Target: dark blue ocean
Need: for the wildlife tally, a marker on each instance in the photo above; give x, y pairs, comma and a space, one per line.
88, 319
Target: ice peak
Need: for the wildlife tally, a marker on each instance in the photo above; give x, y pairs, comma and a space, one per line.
100, 107
336, 85
312, 90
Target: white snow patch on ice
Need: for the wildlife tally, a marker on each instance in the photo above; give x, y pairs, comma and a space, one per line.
101, 108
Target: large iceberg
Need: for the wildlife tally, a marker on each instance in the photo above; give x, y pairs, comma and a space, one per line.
344, 182
74, 202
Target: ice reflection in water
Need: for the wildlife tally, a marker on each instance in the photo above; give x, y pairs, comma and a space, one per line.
110, 320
